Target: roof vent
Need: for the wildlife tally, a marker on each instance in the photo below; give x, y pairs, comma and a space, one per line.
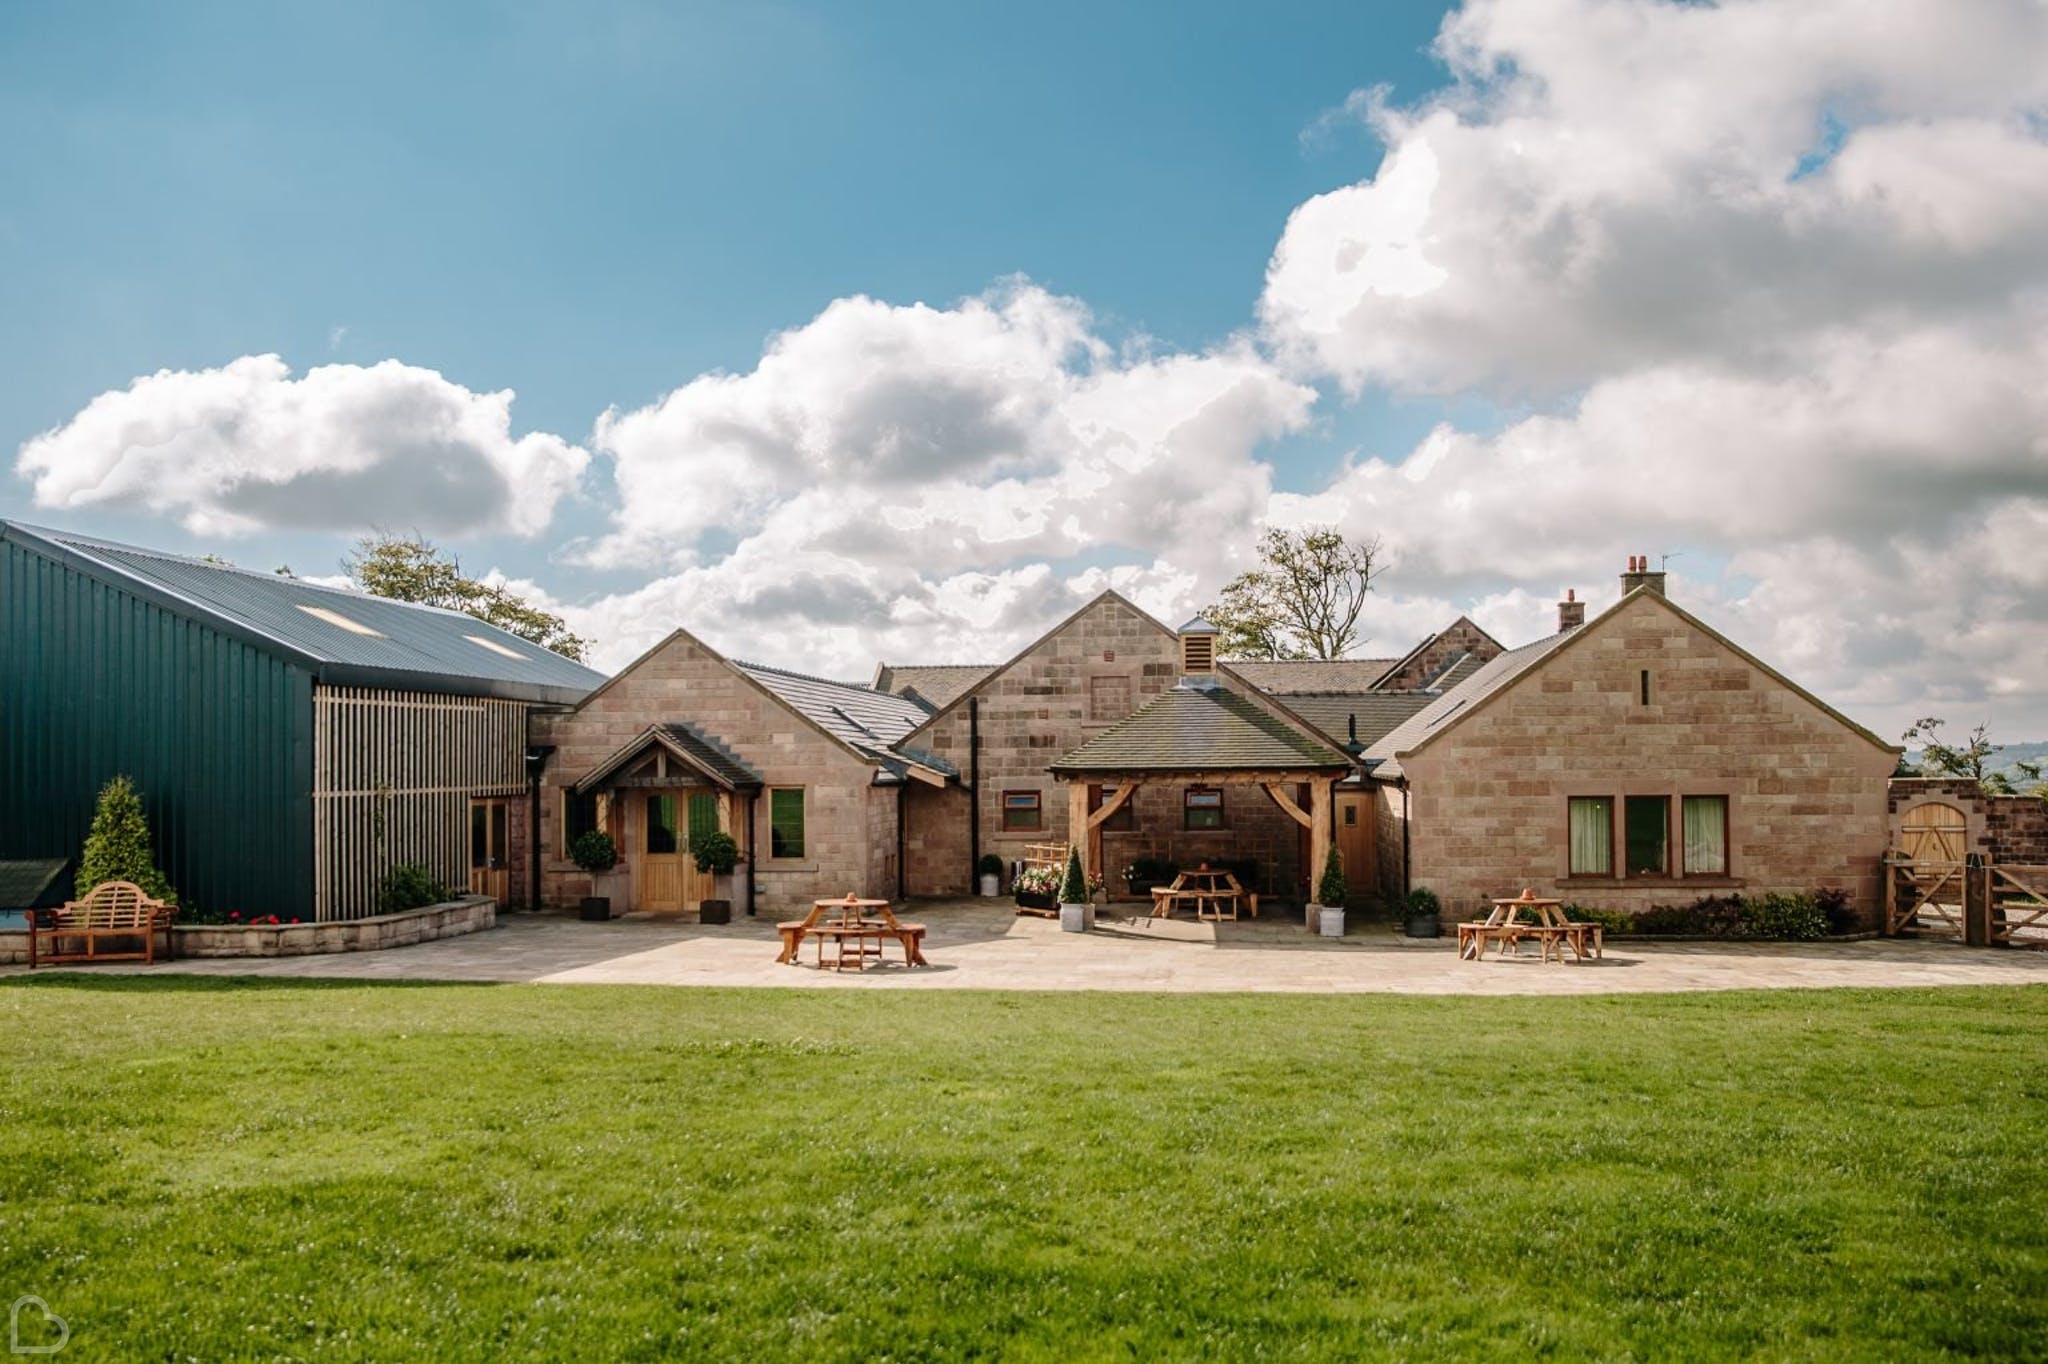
1198, 653
354, 627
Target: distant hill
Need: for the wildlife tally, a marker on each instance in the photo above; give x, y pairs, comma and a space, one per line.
2007, 759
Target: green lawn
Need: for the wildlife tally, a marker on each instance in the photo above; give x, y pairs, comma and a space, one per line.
290, 1170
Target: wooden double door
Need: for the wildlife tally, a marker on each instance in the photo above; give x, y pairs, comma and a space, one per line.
490, 847
660, 824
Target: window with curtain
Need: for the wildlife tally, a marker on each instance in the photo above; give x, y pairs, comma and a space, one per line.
1647, 820
786, 821
1592, 836
661, 824
1706, 835
703, 816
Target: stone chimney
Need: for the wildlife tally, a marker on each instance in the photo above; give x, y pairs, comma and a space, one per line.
1571, 612
1198, 653
1639, 575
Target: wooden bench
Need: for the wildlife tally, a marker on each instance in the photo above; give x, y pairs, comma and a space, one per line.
908, 936
115, 910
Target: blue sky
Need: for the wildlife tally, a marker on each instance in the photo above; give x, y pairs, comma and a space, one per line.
1519, 286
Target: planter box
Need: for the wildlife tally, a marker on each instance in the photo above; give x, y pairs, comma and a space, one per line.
714, 912
1077, 918
447, 920
1029, 900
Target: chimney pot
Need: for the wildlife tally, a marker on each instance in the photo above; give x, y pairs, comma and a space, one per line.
1640, 575
1571, 612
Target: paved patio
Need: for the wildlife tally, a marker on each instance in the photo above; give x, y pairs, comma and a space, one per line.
984, 945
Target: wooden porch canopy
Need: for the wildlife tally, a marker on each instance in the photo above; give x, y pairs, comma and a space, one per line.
1205, 735
676, 746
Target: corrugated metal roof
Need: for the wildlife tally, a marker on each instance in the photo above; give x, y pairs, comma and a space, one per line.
1200, 729
1489, 678
344, 636
1292, 676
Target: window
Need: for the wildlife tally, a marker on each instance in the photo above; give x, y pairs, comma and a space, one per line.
661, 825
1021, 811
579, 817
1647, 824
1646, 687
703, 816
1705, 820
1592, 836
1124, 820
786, 821
1202, 808
1109, 698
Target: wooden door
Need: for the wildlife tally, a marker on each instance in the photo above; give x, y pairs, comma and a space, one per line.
1356, 847
1933, 832
659, 884
668, 877
490, 862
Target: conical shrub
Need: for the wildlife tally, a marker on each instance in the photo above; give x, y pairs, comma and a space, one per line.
1330, 890
118, 847
1074, 886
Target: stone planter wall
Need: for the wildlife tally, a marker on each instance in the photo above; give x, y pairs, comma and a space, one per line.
448, 920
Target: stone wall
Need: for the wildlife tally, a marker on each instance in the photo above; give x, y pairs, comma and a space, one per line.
1460, 637
1253, 828
2011, 829
449, 920
1806, 793
935, 843
681, 680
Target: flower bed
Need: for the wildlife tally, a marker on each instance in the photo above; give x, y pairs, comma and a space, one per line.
266, 937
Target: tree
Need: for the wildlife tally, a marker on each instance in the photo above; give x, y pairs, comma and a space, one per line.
412, 568
1303, 599
1967, 761
117, 847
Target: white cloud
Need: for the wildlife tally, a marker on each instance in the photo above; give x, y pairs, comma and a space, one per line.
1610, 184
246, 447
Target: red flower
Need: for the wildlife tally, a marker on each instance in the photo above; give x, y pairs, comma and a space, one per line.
273, 918
234, 914
295, 918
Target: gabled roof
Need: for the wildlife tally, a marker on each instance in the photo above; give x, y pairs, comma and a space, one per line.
1405, 659
1454, 707
1107, 594
692, 747
868, 721
1378, 712
341, 636
32, 883
1200, 729
939, 684
1293, 676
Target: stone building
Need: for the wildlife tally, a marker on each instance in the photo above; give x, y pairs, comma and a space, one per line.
1638, 758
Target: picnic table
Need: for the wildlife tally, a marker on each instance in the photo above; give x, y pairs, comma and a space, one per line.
1215, 894
1552, 931
856, 930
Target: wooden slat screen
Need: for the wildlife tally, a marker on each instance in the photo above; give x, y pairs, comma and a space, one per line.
393, 774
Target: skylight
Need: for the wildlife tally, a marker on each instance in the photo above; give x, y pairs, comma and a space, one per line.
354, 627
493, 646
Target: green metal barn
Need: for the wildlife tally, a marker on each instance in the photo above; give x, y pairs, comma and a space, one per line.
290, 741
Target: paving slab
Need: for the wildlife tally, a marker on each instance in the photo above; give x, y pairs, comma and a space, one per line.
983, 945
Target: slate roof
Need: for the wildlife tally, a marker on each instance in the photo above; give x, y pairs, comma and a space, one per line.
938, 684
415, 647
695, 747
32, 884
1291, 677
1378, 712
870, 722
1487, 679
1200, 729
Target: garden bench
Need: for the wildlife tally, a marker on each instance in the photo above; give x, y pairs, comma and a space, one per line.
111, 910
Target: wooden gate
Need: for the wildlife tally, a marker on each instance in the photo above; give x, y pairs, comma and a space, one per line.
2017, 899
1926, 879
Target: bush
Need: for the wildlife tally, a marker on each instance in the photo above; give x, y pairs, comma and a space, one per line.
117, 848
1074, 887
594, 852
1423, 903
1784, 918
989, 865
1330, 889
715, 852
1834, 905
1613, 920
409, 886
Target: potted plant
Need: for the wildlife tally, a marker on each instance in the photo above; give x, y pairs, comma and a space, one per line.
717, 853
1423, 909
1077, 911
596, 854
1036, 888
1328, 911
990, 870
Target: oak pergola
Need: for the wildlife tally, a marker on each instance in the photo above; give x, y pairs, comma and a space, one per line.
1198, 733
